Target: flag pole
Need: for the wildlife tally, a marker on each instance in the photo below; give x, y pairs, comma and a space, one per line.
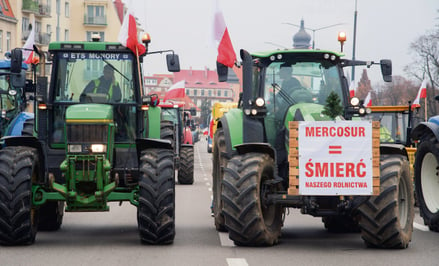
138, 71
425, 99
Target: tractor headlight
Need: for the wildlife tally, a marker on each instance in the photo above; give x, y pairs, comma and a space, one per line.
98, 148
260, 102
355, 101
75, 148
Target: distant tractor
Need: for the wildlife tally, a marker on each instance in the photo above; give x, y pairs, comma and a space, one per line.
292, 143
427, 170
218, 110
89, 146
174, 128
13, 100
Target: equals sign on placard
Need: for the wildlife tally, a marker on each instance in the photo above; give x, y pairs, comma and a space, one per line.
334, 149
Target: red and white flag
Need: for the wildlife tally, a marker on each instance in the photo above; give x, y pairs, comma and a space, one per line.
128, 33
28, 46
352, 89
422, 94
226, 53
368, 100
178, 90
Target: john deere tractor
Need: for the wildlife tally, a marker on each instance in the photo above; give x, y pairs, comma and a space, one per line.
89, 147
288, 145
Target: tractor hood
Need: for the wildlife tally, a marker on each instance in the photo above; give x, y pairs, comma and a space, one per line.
89, 113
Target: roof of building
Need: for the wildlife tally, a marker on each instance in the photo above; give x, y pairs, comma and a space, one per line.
200, 79
6, 10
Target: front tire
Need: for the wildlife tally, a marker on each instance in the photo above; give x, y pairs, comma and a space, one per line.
186, 166
249, 221
219, 161
18, 218
51, 216
427, 182
386, 220
156, 210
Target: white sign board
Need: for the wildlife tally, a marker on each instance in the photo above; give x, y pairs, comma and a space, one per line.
335, 158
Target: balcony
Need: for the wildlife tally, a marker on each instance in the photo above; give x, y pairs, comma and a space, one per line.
36, 8
95, 20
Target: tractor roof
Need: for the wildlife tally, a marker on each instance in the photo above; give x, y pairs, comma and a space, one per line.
88, 46
294, 51
6, 64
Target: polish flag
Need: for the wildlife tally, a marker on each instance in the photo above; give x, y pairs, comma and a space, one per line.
128, 33
422, 94
28, 47
178, 90
368, 100
352, 89
226, 53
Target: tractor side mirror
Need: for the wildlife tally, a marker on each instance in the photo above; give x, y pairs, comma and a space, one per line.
16, 60
193, 111
18, 80
173, 62
386, 69
152, 100
222, 71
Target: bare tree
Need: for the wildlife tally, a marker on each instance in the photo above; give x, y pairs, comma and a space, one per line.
426, 65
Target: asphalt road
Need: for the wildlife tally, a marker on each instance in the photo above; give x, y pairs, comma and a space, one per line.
111, 238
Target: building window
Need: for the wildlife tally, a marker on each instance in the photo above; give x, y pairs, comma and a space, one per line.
210, 93
5, 6
8, 41
66, 35
195, 92
218, 93
25, 25
67, 9
95, 15
225, 93
187, 92
90, 34
1, 40
202, 92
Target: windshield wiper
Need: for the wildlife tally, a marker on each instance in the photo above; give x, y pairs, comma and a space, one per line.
282, 93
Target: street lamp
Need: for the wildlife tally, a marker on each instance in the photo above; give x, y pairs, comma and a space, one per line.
314, 30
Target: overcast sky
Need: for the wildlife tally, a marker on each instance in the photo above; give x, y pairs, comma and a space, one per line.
385, 28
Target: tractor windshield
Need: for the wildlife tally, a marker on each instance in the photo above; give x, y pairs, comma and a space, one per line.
94, 77
288, 84
309, 82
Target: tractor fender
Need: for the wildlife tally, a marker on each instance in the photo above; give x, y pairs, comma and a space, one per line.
256, 147
425, 128
29, 141
147, 143
393, 149
232, 122
16, 126
187, 145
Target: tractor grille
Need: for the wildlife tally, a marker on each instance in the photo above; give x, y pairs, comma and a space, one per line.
92, 133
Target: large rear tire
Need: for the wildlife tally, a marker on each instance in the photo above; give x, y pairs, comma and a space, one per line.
156, 210
186, 166
18, 218
219, 162
386, 220
427, 182
249, 221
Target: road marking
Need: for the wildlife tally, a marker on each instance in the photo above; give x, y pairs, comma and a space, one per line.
421, 227
236, 262
225, 240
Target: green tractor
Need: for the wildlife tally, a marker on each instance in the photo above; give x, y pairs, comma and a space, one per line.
88, 147
258, 152
175, 128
